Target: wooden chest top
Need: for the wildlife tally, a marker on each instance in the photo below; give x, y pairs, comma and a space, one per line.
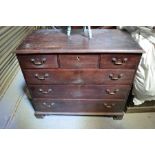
103, 41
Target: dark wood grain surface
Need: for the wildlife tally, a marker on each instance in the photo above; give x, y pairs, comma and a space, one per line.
74, 106
103, 41
79, 61
38, 61
118, 61
76, 61
79, 76
80, 91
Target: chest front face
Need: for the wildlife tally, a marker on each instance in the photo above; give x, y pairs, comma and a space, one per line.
79, 76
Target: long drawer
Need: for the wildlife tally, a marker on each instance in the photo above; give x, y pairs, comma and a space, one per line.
78, 106
80, 91
71, 76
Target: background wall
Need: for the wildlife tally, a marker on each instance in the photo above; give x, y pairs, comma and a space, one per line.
10, 38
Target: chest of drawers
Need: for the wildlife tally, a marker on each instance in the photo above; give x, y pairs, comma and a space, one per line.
78, 76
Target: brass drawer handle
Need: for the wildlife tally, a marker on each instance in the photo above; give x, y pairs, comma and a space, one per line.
45, 92
49, 105
41, 77
112, 92
112, 77
119, 61
108, 105
38, 63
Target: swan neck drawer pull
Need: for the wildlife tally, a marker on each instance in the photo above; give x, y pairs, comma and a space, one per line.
37, 62
49, 105
108, 91
112, 77
109, 105
117, 61
45, 92
39, 77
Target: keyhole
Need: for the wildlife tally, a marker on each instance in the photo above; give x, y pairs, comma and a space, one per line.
78, 58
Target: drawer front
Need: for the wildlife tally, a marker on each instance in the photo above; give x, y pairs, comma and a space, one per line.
79, 61
78, 106
80, 91
116, 61
70, 76
38, 61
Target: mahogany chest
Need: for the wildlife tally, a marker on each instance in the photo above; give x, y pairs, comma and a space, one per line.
79, 76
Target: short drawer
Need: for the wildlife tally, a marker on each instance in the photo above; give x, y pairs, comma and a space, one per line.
78, 106
76, 76
80, 91
79, 61
38, 61
118, 61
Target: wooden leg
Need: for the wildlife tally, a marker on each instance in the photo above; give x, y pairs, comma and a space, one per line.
39, 115
118, 117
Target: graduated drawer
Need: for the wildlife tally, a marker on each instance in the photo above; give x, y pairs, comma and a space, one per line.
38, 61
71, 76
76, 61
78, 106
118, 61
80, 91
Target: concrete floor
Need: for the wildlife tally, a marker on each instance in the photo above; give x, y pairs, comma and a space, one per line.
24, 118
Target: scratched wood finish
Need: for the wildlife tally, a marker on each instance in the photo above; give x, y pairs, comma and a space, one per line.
103, 41
74, 106
80, 76
80, 91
